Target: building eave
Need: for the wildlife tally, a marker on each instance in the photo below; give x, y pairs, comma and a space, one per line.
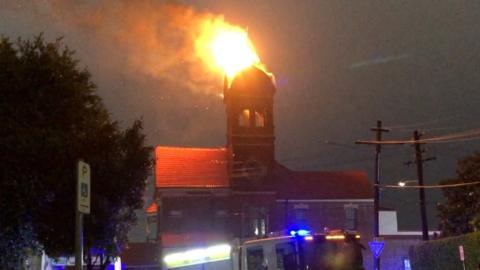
326, 200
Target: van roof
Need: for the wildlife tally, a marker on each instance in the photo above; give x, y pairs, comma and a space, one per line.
269, 239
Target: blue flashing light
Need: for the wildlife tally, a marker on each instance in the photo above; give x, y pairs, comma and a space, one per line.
300, 233
303, 232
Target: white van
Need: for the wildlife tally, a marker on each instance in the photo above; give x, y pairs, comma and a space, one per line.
337, 250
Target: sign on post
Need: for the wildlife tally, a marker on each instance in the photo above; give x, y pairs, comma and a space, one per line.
83, 187
376, 247
462, 254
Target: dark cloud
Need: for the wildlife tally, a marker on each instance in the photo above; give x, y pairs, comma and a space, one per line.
141, 56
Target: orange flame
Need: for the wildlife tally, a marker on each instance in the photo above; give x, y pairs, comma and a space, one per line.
225, 47
162, 40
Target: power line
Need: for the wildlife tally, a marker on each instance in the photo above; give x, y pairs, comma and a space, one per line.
417, 142
434, 128
312, 160
433, 186
466, 133
473, 134
343, 145
311, 156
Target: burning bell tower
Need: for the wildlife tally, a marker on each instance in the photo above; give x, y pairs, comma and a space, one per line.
250, 128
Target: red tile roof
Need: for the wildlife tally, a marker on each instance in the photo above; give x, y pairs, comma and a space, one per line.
178, 167
325, 185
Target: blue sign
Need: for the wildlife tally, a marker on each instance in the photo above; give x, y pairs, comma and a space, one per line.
376, 248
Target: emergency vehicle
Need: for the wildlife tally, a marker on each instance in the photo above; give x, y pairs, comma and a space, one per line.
301, 250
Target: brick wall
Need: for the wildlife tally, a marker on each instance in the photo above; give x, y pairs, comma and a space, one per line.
321, 214
230, 214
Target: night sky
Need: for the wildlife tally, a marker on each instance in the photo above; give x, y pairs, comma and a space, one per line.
340, 66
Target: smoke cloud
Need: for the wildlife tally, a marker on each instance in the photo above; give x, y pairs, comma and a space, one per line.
153, 38
142, 55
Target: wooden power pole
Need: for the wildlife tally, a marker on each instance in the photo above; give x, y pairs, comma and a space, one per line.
419, 161
376, 190
376, 200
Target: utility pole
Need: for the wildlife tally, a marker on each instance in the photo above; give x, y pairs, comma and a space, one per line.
376, 199
419, 161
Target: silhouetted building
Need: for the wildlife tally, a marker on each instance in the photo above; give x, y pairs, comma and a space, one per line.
207, 195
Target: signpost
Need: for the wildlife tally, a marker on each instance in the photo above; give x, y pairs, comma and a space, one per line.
82, 207
462, 255
83, 187
376, 246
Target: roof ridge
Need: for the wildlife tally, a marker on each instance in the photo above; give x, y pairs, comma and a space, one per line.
191, 148
335, 171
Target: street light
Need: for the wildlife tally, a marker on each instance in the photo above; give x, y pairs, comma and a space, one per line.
423, 210
403, 183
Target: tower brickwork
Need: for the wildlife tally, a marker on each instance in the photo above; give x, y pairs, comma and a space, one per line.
250, 128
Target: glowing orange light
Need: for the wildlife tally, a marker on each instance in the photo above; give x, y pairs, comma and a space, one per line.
309, 238
233, 52
226, 47
335, 237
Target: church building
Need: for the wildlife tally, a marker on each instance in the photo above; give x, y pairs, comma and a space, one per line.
205, 196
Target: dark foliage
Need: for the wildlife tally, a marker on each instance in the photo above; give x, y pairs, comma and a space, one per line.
444, 253
50, 117
460, 213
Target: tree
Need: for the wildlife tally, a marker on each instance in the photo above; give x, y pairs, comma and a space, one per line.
460, 213
50, 117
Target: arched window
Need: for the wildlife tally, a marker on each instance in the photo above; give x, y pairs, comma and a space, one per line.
259, 119
244, 118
